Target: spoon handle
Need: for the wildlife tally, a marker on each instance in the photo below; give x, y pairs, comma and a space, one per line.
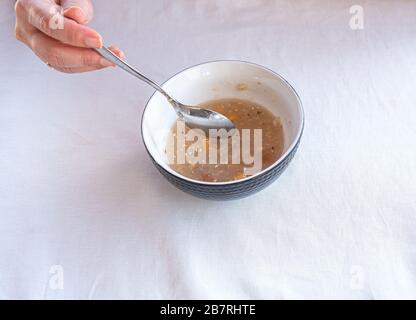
107, 54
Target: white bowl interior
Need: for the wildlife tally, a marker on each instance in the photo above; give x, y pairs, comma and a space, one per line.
218, 80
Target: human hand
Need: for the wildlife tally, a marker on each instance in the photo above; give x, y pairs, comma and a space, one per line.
56, 32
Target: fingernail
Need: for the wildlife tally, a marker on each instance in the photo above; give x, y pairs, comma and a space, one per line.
106, 63
93, 42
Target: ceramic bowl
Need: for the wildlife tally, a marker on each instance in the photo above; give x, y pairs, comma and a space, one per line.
218, 80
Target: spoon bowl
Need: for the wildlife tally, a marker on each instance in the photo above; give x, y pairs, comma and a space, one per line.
205, 119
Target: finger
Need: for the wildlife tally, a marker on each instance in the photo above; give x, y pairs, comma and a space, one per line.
23, 29
79, 10
60, 55
83, 69
118, 52
46, 16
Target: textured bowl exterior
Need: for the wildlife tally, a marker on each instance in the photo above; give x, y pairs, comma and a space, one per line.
229, 191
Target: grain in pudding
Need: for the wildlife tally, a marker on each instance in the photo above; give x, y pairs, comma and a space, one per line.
246, 116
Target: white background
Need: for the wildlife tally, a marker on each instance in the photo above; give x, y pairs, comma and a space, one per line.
78, 190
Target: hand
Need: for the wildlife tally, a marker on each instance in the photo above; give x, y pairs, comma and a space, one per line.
56, 32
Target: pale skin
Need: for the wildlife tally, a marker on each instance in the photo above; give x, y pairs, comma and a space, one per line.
66, 49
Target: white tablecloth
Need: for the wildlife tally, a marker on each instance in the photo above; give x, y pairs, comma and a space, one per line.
84, 214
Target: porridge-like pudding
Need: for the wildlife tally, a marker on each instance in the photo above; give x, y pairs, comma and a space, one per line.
245, 115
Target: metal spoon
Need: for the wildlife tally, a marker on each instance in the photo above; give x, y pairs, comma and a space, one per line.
194, 117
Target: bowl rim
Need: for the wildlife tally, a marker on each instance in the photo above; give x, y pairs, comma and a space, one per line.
275, 164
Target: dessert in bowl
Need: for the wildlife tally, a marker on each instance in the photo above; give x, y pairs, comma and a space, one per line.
251, 96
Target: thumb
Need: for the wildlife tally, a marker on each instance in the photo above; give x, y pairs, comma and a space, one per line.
79, 10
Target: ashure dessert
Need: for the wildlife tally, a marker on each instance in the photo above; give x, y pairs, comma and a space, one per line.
256, 143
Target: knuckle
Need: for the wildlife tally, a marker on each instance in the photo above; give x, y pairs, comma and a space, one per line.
90, 60
31, 14
54, 57
19, 7
38, 19
37, 48
70, 36
43, 23
18, 33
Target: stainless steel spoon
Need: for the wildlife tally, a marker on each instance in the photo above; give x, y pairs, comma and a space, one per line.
194, 117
